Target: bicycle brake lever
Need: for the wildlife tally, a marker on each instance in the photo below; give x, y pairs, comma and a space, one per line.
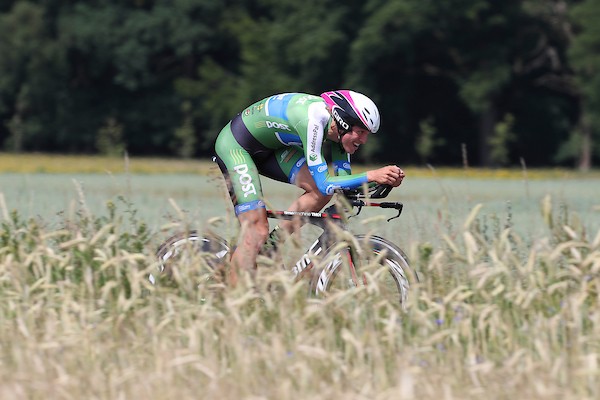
396, 206
397, 216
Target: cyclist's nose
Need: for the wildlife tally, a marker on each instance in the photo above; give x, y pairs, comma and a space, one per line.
363, 137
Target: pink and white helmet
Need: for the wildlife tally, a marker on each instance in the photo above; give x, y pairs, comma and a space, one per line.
350, 108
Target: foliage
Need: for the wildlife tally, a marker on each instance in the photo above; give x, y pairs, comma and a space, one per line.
168, 70
185, 136
427, 140
109, 140
586, 61
502, 137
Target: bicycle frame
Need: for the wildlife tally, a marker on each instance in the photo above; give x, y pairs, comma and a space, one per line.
326, 239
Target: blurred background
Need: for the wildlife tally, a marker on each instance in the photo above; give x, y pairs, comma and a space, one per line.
458, 82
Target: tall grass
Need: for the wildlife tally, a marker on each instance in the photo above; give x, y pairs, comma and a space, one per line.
492, 317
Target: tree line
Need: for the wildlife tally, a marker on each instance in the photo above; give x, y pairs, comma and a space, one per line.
483, 82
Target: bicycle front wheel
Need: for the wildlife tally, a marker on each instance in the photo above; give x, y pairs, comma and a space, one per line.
179, 249
375, 261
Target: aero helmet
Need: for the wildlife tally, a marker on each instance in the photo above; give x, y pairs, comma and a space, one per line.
350, 108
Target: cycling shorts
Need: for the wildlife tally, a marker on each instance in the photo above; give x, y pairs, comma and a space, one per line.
242, 158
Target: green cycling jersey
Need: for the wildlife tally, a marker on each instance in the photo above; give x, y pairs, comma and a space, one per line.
275, 137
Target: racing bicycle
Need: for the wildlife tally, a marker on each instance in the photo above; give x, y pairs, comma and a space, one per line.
337, 259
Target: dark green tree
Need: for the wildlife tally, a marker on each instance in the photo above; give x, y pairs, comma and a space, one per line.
585, 58
32, 71
503, 79
467, 63
71, 66
275, 46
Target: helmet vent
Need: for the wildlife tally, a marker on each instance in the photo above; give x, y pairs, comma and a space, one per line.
367, 116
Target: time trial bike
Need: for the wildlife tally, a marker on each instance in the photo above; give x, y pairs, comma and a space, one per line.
337, 260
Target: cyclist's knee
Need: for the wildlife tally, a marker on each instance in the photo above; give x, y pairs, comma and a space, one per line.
321, 200
260, 231
316, 196
306, 182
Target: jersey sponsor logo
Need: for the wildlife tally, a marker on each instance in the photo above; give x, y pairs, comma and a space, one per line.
313, 139
288, 154
339, 120
282, 96
322, 168
277, 125
253, 205
330, 189
272, 125
304, 99
346, 165
244, 207
253, 109
245, 179
284, 155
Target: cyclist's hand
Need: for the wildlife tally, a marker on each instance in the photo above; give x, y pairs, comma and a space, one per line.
389, 175
401, 176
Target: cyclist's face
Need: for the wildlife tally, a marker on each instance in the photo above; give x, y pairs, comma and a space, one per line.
353, 139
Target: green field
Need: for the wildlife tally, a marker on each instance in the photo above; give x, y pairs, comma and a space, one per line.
507, 306
435, 203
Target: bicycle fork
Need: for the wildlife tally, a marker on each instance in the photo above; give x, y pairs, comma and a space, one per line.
352, 256
326, 274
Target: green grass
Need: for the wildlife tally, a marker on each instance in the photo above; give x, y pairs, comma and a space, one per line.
507, 305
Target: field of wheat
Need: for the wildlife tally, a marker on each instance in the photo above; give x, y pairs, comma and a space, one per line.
507, 305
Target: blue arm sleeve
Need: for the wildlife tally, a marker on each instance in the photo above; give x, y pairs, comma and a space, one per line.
327, 184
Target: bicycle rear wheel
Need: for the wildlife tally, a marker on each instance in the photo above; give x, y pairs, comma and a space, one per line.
180, 248
380, 263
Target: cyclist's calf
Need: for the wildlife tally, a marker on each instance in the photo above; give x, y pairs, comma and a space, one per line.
254, 233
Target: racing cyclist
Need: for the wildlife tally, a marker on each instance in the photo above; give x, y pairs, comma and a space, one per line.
282, 137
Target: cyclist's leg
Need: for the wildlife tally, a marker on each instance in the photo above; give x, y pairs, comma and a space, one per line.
253, 234
312, 200
243, 183
289, 165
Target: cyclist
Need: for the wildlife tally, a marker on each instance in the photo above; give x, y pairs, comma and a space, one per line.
282, 137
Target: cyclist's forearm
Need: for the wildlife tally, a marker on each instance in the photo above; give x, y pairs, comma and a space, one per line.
327, 184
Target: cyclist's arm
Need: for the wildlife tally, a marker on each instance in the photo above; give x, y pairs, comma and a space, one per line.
312, 136
340, 161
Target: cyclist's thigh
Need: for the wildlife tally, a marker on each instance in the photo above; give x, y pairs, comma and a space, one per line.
289, 165
240, 172
292, 163
283, 165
